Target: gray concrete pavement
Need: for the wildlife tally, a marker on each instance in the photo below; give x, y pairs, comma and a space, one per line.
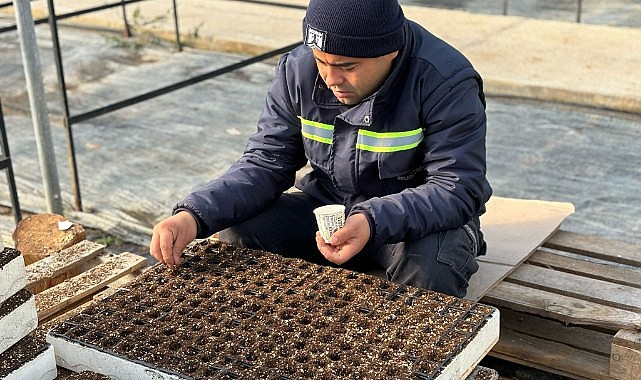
591, 65
134, 164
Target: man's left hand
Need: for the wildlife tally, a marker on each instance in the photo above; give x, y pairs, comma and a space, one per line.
347, 242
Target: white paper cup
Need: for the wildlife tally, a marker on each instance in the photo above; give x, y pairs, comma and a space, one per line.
329, 219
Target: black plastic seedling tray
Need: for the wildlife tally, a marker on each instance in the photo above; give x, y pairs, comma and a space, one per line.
230, 312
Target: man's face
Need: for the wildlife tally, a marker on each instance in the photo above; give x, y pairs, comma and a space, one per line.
353, 79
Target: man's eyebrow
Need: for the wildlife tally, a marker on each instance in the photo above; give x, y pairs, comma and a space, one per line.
339, 64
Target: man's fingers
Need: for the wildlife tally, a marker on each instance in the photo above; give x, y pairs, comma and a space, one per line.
154, 247
177, 249
333, 253
171, 236
167, 248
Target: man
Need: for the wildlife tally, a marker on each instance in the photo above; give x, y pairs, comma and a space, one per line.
392, 122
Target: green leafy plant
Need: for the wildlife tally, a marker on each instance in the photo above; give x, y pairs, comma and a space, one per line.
109, 241
144, 31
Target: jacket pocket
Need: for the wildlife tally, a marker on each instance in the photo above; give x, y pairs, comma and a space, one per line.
458, 249
399, 170
318, 153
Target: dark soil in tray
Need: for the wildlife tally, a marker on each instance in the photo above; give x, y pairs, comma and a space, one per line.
7, 255
27, 349
230, 312
86, 375
13, 302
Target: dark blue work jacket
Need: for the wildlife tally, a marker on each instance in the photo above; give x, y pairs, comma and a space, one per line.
411, 156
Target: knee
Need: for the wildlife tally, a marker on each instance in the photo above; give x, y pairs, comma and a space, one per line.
233, 235
442, 277
443, 262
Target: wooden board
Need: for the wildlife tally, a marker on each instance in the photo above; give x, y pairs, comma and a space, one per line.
562, 308
56, 299
573, 308
43, 273
578, 287
596, 247
550, 356
513, 229
488, 275
628, 276
580, 337
625, 359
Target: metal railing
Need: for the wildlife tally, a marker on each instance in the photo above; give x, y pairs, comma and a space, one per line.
69, 120
5, 164
579, 10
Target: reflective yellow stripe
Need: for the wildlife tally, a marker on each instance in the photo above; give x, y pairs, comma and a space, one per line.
316, 131
386, 142
383, 142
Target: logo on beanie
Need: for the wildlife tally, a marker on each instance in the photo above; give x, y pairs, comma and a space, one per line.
315, 38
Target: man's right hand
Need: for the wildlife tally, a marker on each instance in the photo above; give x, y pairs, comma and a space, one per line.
171, 236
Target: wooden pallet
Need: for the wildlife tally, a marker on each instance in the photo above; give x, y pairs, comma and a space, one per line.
72, 277
573, 308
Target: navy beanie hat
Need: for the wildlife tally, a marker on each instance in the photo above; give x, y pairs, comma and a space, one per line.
354, 28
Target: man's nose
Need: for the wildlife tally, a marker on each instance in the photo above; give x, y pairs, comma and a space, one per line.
334, 77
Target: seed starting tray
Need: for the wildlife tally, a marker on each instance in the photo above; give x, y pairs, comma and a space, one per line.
12, 273
234, 313
29, 358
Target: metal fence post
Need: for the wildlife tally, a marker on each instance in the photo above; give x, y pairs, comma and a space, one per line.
38, 105
579, 11
179, 46
5, 164
62, 93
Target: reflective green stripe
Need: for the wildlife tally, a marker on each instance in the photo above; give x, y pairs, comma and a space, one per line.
388, 141
366, 140
316, 131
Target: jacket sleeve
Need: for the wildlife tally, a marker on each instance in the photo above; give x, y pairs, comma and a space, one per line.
267, 167
454, 166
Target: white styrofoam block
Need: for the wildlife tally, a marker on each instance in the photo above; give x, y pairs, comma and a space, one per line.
466, 360
13, 277
18, 324
76, 357
42, 367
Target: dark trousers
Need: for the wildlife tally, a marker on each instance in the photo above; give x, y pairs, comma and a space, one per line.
443, 261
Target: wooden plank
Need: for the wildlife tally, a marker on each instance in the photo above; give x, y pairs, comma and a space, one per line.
563, 308
514, 228
591, 269
66, 293
550, 356
483, 373
488, 275
593, 246
42, 273
628, 338
580, 338
603, 292
126, 279
625, 361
